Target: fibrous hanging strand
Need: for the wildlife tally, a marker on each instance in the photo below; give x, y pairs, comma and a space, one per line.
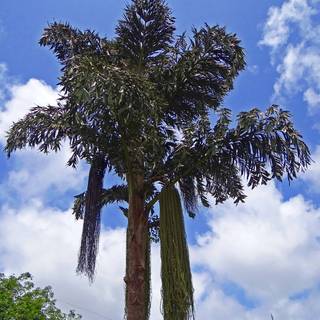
177, 290
92, 219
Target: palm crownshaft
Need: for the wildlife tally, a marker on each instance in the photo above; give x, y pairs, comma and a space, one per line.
122, 103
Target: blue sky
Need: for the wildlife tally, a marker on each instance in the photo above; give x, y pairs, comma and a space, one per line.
248, 261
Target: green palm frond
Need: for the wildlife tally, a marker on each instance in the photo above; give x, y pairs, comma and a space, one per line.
43, 127
67, 42
145, 31
115, 194
262, 146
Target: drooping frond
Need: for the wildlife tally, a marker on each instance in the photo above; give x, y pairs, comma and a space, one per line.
67, 42
44, 127
200, 74
115, 194
261, 147
177, 290
266, 146
92, 220
202, 192
48, 127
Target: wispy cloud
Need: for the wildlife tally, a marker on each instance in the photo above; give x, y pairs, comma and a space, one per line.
291, 32
3, 80
283, 21
312, 175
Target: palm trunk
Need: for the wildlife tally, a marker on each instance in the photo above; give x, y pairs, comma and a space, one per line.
137, 242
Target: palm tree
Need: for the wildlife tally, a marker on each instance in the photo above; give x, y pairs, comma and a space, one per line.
147, 105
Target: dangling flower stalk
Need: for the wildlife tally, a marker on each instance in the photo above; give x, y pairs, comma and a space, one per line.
177, 290
92, 218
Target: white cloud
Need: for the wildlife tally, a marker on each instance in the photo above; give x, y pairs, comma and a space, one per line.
291, 70
312, 175
291, 32
34, 174
268, 247
22, 98
312, 98
280, 20
45, 242
218, 304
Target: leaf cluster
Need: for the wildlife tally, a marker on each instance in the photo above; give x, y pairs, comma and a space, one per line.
150, 102
21, 300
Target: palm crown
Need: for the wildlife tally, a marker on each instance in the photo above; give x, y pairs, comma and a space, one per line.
140, 105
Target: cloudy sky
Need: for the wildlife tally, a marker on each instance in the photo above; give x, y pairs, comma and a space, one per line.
250, 261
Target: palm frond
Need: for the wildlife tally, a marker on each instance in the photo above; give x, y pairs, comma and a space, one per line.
44, 127
145, 31
67, 42
266, 146
115, 194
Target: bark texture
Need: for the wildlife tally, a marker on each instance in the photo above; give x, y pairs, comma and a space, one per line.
137, 304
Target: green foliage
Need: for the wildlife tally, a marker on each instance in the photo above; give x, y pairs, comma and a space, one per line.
20, 300
149, 104
145, 32
117, 193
